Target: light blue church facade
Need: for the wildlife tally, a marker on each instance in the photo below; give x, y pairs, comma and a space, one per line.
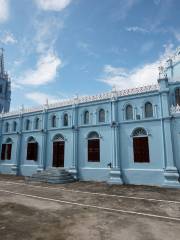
125, 137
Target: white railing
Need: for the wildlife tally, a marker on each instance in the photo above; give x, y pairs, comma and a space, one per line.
175, 109
84, 99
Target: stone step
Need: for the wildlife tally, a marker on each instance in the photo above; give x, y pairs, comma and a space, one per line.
52, 175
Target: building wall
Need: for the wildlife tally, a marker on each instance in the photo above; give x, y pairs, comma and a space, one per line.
116, 140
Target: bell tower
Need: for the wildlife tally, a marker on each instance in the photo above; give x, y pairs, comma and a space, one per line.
5, 86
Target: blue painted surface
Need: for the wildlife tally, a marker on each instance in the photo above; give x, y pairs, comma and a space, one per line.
116, 140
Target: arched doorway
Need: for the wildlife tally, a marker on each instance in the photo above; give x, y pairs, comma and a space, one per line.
58, 151
140, 145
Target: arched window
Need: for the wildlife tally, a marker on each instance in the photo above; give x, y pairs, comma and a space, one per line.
14, 126
27, 124
32, 149
53, 121
101, 115
140, 145
65, 119
86, 117
37, 121
177, 96
6, 127
93, 147
148, 110
1, 107
129, 112
6, 150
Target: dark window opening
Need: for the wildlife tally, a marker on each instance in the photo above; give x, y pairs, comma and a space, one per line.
58, 153
27, 124
93, 150
32, 151
37, 123
7, 127
148, 110
129, 112
1, 88
14, 126
6, 151
53, 124
141, 149
102, 115
66, 119
86, 117
177, 96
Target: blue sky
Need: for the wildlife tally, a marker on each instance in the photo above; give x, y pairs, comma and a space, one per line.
58, 48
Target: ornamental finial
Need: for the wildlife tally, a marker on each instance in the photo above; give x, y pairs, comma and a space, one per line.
162, 73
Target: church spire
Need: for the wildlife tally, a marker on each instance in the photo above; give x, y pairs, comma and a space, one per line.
2, 62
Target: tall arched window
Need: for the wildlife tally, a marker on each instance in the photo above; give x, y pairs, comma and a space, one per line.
27, 126
177, 96
101, 115
129, 112
6, 150
148, 110
65, 119
53, 121
32, 149
140, 145
86, 117
14, 126
93, 147
37, 121
1, 107
6, 127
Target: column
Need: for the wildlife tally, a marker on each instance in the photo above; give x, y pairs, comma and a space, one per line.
115, 172
19, 144
43, 164
74, 169
135, 113
155, 111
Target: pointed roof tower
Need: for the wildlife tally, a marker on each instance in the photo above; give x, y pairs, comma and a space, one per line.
5, 85
2, 73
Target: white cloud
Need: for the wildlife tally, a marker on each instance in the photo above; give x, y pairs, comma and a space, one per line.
176, 34
147, 46
4, 10
52, 5
8, 38
86, 47
122, 11
46, 33
137, 29
45, 71
41, 98
123, 78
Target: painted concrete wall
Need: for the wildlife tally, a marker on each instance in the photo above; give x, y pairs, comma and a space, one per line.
116, 141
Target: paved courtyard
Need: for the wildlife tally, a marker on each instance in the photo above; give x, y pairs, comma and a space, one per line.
87, 210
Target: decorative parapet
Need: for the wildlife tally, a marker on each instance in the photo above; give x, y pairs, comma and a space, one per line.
169, 62
138, 90
85, 99
175, 109
172, 60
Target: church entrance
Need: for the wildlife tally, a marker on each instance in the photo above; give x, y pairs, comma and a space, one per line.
58, 154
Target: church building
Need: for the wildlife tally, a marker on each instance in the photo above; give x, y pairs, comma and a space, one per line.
127, 136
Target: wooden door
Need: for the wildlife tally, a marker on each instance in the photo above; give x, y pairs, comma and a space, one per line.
58, 154
141, 149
